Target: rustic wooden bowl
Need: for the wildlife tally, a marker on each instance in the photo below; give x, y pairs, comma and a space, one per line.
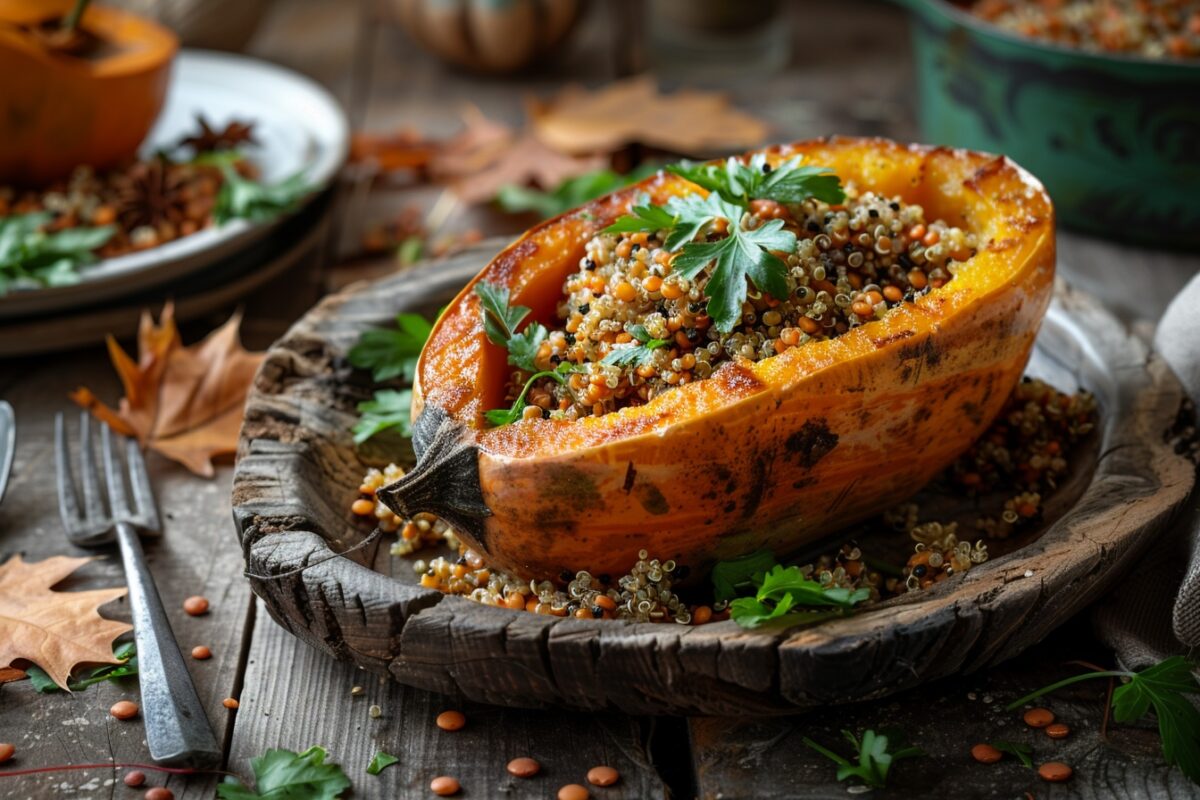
298, 472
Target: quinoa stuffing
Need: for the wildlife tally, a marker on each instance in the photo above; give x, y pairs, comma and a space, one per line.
1023, 455
641, 316
1147, 28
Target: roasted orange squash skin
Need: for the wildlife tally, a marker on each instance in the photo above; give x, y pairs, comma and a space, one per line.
771, 454
59, 111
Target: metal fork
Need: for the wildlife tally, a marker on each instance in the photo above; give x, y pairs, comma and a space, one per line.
177, 730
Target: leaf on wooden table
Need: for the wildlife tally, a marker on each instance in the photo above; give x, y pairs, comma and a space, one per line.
55, 630
184, 402
487, 156
633, 111
391, 152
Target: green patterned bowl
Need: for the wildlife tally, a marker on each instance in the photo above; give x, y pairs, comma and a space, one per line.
1116, 139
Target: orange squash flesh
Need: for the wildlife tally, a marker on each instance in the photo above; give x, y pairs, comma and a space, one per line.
58, 111
770, 454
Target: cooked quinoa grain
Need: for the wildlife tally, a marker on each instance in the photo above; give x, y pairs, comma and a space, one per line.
852, 263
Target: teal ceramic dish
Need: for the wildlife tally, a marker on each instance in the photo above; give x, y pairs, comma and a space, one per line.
1116, 139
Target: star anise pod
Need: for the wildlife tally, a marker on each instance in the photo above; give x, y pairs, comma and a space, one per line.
151, 193
210, 139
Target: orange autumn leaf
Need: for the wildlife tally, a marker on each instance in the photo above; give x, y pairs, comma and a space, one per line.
183, 402
10, 674
633, 111
55, 630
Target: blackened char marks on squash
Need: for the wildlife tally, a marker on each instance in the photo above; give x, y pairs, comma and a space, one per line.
914, 357
760, 477
571, 487
812, 442
652, 499
884, 341
975, 182
630, 477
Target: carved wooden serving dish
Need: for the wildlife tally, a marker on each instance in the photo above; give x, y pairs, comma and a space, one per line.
298, 472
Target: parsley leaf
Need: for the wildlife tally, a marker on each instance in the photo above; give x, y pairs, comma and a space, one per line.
392, 353
740, 255
1163, 686
788, 182
742, 573
31, 257
644, 218
783, 591
242, 198
507, 416
380, 762
44, 684
284, 775
1023, 752
500, 321
635, 354
523, 346
874, 758
387, 410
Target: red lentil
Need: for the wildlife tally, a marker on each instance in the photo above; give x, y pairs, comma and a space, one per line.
986, 754
524, 767
1055, 772
6, 751
134, 778
451, 720
196, 605
603, 776
444, 786
124, 709
1058, 730
573, 791
201, 653
1038, 717
230, 703
159, 793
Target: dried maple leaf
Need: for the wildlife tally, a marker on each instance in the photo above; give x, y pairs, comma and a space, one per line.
55, 630
633, 111
392, 152
184, 402
487, 155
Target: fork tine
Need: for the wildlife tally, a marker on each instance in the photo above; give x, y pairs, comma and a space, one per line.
112, 474
92, 504
68, 503
143, 495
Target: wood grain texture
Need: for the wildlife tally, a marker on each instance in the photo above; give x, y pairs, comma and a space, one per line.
194, 557
296, 697
298, 472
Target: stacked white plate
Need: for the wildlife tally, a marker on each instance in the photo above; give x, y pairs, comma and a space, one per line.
299, 127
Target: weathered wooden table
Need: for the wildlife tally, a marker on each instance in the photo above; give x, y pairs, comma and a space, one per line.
292, 697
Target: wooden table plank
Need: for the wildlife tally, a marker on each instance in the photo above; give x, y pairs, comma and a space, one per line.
295, 697
197, 555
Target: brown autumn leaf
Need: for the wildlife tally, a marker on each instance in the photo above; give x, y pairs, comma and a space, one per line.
486, 155
10, 674
55, 630
633, 111
184, 402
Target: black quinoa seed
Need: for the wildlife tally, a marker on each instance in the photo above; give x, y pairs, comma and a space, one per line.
589, 264
813, 227
585, 308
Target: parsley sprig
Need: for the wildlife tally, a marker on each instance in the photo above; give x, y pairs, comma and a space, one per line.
507, 416
777, 593
243, 198
1163, 686
283, 774
874, 758
31, 257
500, 322
635, 354
741, 254
392, 353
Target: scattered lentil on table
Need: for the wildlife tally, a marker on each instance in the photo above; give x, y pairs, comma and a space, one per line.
524, 767
1158, 29
1055, 772
986, 754
451, 720
1058, 730
852, 264
124, 709
6, 751
195, 605
230, 703
444, 786
201, 653
603, 776
573, 791
159, 793
134, 778
1038, 717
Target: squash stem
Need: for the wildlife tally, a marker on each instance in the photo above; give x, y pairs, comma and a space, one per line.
71, 21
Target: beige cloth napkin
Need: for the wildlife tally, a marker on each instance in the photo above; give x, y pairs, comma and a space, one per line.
1156, 610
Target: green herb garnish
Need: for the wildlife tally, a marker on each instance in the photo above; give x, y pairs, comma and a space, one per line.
570, 193
242, 198
507, 416
787, 183
874, 759
784, 592
635, 354
741, 575
1022, 752
388, 410
392, 353
380, 762
31, 257
284, 775
1164, 687
741, 254
44, 684
500, 322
